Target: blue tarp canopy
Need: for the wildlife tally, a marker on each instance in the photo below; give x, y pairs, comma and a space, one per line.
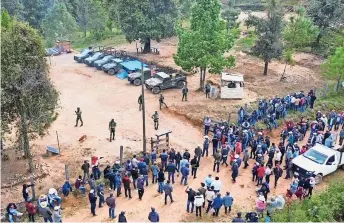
128, 66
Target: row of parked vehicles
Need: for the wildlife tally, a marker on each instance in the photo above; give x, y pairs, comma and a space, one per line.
120, 64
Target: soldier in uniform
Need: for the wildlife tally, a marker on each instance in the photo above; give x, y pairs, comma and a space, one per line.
155, 118
207, 90
78, 117
185, 91
112, 126
140, 102
161, 101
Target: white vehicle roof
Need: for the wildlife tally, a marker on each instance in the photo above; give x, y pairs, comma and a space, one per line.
325, 150
232, 77
163, 74
117, 60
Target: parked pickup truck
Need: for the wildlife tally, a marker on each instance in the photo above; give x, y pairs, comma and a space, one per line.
113, 66
135, 78
83, 55
161, 81
320, 161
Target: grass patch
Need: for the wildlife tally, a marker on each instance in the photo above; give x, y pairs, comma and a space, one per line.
247, 42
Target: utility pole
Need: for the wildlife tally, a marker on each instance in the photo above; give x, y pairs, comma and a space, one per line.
143, 110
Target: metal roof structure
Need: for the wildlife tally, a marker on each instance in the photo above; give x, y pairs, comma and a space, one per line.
232, 77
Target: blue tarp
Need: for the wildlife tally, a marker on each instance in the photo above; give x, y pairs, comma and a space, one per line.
131, 65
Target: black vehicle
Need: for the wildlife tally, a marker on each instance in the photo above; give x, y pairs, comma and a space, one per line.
99, 63
135, 78
161, 81
97, 56
113, 66
85, 53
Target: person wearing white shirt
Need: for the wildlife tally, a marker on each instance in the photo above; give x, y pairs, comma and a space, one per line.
217, 185
312, 184
198, 203
210, 196
277, 157
134, 161
268, 172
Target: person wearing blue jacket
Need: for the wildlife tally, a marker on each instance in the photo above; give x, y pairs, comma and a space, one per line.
118, 184
182, 164
168, 189
171, 170
144, 172
141, 165
227, 202
153, 216
185, 174
153, 156
100, 193
66, 188
140, 186
217, 203
163, 156
224, 155
155, 172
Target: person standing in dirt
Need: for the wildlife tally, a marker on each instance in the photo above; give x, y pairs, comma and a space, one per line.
126, 184
191, 199
185, 91
78, 117
207, 90
217, 160
227, 201
199, 200
93, 201
161, 101
153, 216
171, 170
194, 166
140, 101
112, 127
140, 186
155, 118
168, 189
31, 210
111, 203
121, 217
86, 168
277, 172
161, 179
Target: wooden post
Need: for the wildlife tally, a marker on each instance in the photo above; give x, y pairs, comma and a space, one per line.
121, 155
152, 143
67, 172
32, 187
58, 143
167, 139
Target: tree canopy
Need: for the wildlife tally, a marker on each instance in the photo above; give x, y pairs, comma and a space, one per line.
300, 31
334, 66
59, 24
269, 43
28, 96
146, 19
230, 14
204, 44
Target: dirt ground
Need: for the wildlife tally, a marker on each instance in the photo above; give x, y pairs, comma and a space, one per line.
102, 97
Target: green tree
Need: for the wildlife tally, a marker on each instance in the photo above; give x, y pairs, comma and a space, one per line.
327, 15
97, 19
146, 20
269, 43
300, 31
14, 8
83, 10
204, 44
35, 11
185, 8
28, 96
59, 24
231, 14
334, 67
5, 19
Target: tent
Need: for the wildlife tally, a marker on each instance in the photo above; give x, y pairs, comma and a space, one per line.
128, 67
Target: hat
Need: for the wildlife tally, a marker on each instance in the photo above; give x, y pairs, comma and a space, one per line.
117, 162
259, 154
206, 137
186, 150
261, 198
92, 191
236, 156
260, 133
52, 191
257, 163
42, 196
56, 208
44, 204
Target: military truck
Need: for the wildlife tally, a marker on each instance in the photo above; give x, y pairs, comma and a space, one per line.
83, 55
97, 56
113, 67
135, 78
99, 63
161, 81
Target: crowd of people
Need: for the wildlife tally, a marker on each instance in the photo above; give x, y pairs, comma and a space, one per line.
232, 145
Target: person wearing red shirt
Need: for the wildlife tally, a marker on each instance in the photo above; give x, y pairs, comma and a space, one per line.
31, 210
260, 173
238, 148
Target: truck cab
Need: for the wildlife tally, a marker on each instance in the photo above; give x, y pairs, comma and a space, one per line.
320, 161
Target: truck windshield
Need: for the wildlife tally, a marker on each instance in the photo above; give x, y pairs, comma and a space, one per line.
315, 156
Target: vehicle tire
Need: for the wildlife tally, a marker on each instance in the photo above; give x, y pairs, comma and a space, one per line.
156, 90
318, 178
180, 84
111, 72
137, 82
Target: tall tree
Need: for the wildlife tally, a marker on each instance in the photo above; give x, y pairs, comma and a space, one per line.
231, 14
83, 9
28, 96
300, 31
327, 15
334, 67
185, 8
98, 18
269, 43
204, 44
59, 24
35, 11
146, 20
14, 8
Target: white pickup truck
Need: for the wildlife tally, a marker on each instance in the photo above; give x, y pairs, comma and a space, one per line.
320, 161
